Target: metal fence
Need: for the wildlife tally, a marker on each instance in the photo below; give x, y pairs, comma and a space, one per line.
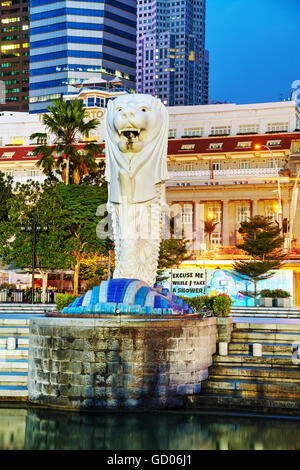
25, 296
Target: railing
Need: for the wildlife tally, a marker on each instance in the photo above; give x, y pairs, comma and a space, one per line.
25, 179
24, 296
207, 174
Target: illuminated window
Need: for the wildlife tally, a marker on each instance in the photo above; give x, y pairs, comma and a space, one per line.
17, 140
244, 145
7, 155
216, 146
187, 147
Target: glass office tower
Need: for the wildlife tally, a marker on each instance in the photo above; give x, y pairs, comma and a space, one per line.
171, 59
73, 41
14, 56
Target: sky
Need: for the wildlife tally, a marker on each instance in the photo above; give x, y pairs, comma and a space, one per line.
254, 48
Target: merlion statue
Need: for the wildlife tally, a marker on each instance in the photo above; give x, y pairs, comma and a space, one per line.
136, 170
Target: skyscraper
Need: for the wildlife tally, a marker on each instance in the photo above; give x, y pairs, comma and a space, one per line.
14, 57
73, 41
171, 59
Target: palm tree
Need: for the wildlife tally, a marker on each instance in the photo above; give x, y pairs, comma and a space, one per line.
209, 227
66, 122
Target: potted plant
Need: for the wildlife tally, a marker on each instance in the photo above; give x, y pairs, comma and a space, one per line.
266, 299
282, 297
275, 298
221, 305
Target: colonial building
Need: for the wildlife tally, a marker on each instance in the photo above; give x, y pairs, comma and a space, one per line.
226, 162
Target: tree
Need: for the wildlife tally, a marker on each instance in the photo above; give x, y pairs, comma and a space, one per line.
33, 202
263, 243
79, 206
67, 124
6, 192
209, 227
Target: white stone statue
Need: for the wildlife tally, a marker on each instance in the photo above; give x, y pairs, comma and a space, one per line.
136, 170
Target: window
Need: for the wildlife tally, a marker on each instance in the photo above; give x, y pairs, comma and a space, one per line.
188, 167
244, 145
17, 140
7, 154
243, 213
273, 163
273, 143
187, 147
172, 133
33, 173
214, 212
216, 146
187, 215
193, 131
271, 212
244, 164
278, 127
249, 129
220, 130
216, 166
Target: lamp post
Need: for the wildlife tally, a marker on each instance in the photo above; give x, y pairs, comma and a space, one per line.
34, 227
259, 146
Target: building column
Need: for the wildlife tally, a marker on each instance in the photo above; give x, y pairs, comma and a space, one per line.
198, 225
225, 223
254, 207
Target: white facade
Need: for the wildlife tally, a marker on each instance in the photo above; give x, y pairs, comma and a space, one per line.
202, 120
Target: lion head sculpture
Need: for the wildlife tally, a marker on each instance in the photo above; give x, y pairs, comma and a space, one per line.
136, 147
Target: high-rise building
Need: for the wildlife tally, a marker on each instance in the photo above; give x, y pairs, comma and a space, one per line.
172, 63
75, 41
14, 56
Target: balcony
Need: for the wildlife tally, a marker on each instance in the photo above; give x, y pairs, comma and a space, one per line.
228, 176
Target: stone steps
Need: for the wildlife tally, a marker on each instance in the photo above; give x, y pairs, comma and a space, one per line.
253, 388
261, 373
13, 379
240, 380
283, 349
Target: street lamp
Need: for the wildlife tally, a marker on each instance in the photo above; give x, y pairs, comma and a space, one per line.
259, 146
34, 227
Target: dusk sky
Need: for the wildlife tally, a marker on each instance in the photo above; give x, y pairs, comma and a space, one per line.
254, 48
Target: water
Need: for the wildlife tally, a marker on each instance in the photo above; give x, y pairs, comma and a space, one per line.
33, 429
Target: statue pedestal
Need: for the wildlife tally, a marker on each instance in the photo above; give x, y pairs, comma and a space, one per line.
111, 363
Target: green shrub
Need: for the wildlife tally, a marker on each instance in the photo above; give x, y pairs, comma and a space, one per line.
275, 294
280, 294
266, 293
63, 300
7, 286
221, 305
197, 303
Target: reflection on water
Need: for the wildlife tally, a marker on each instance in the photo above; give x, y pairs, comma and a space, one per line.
51, 430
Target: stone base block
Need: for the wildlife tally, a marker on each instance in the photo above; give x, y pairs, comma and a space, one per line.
118, 363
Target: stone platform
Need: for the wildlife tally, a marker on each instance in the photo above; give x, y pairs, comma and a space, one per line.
117, 362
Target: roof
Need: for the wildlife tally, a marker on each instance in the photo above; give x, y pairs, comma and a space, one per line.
186, 146
21, 153
229, 144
